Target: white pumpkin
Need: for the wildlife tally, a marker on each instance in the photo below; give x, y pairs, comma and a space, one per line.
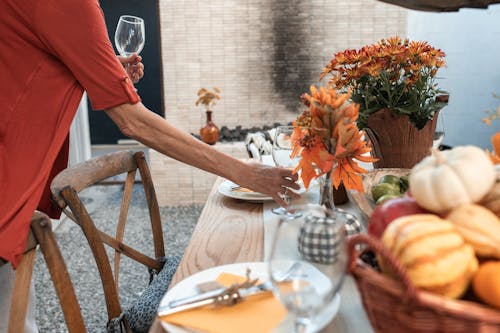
450, 178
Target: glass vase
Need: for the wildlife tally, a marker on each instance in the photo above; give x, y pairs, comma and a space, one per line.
210, 132
329, 195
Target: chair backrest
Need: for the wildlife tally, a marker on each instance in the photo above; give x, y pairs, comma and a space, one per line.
65, 189
41, 234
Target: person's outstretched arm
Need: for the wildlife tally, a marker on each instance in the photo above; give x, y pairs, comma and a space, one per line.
75, 34
139, 123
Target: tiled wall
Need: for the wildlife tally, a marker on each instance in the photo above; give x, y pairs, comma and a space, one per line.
262, 54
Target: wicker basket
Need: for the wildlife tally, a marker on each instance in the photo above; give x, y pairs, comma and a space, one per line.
397, 306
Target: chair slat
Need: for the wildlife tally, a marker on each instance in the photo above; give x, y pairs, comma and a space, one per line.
42, 229
20, 294
41, 234
91, 172
122, 219
154, 210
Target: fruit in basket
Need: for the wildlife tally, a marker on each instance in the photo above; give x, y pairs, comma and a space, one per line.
404, 183
448, 179
390, 179
389, 187
381, 189
479, 227
486, 283
434, 254
389, 211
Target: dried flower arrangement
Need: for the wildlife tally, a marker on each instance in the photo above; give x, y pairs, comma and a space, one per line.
207, 97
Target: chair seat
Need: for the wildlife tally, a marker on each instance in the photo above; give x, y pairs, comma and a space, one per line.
141, 314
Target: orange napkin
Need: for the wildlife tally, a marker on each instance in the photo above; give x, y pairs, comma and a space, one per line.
256, 314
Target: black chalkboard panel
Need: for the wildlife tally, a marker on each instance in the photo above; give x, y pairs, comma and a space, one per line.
102, 129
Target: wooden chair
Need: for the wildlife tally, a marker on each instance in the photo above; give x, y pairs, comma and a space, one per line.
41, 234
65, 190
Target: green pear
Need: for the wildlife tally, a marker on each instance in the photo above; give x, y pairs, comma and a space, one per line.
381, 189
391, 179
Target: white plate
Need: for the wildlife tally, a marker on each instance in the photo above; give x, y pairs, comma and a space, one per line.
226, 188
187, 287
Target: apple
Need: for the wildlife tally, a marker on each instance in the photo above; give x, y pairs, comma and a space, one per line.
390, 210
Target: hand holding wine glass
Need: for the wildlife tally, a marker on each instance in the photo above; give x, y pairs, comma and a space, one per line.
306, 276
281, 151
133, 65
129, 36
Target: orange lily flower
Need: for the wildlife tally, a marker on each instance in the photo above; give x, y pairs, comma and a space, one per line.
327, 139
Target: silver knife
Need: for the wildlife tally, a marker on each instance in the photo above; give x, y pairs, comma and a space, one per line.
218, 296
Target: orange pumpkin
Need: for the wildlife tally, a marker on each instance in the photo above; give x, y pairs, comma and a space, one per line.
435, 255
479, 227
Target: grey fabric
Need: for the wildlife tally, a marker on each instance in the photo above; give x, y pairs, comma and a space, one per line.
141, 314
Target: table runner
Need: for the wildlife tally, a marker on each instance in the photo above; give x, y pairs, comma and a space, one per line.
271, 220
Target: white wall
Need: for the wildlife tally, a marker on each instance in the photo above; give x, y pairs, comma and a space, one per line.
471, 41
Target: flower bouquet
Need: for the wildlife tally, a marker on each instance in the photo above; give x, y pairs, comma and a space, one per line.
393, 81
328, 140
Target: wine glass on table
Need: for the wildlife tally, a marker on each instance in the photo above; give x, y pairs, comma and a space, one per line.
129, 36
307, 266
281, 151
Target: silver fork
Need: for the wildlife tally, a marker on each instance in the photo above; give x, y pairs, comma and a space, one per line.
261, 287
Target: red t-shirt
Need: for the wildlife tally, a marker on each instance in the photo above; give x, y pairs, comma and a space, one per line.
50, 52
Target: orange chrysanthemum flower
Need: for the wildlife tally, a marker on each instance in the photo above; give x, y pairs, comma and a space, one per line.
327, 138
495, 138
495, 154
393, 74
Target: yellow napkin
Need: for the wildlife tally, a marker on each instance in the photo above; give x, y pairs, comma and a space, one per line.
257, 314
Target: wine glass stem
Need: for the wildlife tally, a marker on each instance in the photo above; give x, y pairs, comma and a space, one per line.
301, 324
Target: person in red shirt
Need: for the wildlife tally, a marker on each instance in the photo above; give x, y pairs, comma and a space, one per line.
51, 51
135, 70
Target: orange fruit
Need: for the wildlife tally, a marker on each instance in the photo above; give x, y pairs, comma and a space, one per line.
486, 283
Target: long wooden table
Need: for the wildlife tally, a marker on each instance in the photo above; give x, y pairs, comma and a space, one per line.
231, 231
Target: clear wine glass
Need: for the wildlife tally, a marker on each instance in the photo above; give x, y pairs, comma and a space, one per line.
281, 151
129, 35
311, 252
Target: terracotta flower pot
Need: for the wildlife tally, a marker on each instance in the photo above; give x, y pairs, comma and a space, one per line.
396, 142
210, 132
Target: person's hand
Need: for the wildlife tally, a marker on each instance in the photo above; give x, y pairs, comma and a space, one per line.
272, 181
134, 66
